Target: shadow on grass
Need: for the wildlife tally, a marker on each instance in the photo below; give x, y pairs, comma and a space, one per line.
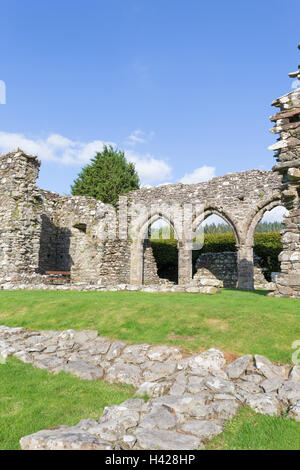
258, 292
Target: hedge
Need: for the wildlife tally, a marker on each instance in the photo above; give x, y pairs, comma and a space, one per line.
266, 245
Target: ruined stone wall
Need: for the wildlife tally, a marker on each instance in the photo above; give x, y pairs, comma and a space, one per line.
241, 199
78, 236
224, 267
19, 215
150, 266
287, 154
42, 231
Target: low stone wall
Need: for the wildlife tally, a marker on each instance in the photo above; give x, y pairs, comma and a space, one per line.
223, 266
191, 398
39, 282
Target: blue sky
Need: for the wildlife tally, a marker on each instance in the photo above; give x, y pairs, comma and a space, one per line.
184, 87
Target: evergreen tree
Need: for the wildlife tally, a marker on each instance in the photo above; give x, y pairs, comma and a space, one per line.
106, 177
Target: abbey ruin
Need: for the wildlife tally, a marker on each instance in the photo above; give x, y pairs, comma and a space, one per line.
42, 232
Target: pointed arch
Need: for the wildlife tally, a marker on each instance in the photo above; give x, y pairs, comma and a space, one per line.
214, 211
261, 210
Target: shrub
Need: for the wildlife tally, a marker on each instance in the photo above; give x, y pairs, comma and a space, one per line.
266, 245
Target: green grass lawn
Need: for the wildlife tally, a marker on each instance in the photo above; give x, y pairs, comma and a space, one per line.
234, 321
253, 431
31, 399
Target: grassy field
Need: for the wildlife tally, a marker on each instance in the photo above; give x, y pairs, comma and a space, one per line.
234, 321
32, 399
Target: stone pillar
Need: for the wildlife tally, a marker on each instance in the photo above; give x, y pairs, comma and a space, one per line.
185, 266
137, 262
245, 267
20, 210
287, 154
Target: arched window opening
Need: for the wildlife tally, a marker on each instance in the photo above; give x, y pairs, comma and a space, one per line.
160, 254
272, 221
267, 245
218, 256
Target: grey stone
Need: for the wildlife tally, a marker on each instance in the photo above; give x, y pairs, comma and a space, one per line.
295, 374
294, 411
265, 404
115, 350
210, 359
152, 389
180, 404
136, 404
248, 387
253, 378
268, 368
24, 357
160, 417
202, 428
164, 353
113, 429
63, 438
49, 363
158, 439
219, 385
82, 337
135, 353
125, 373
159, 370
238, 367
289, 392
84, 370
224, 410
201, 411
85, 424
270, 385
99, 348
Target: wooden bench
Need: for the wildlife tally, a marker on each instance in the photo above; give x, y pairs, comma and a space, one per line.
58, 273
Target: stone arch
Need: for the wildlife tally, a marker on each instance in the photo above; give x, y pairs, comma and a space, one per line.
245, 252
137, 245
215, 269
221, 213
265, 206
144, 226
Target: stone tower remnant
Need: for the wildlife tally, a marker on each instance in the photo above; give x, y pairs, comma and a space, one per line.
287, 154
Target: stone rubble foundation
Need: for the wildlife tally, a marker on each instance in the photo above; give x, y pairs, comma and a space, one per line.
191, 398
193, 288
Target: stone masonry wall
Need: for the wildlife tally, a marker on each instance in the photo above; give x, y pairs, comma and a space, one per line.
287, 154
82, 230
241, 199
224, 267
42, 231
19, 214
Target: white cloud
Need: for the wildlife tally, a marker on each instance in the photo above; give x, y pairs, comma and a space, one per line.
204, 173
55, 148
275, 215
60, 149
150, 169
138, 137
